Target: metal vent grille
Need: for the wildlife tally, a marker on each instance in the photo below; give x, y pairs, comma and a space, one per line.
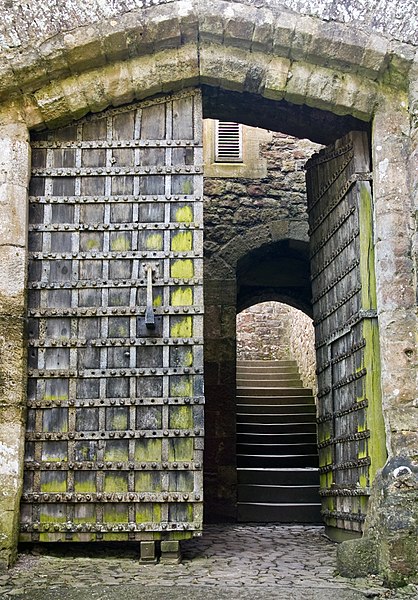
228, 142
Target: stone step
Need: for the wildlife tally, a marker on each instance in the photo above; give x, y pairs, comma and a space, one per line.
275, 400
253, 428
276, 409
277, 449
267, 374
290, 437
273, 369
278, 476
277, 460
275, 391
266, 363
262, 512
278, 493
275, 383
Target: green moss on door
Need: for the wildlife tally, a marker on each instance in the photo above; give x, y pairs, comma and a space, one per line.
182, 269
182, 297
184, 214
182, 242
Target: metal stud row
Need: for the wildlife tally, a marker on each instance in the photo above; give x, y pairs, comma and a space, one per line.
116, 144
112, 199
112, 466
103, 402
106, 497
70, 527
109, 171
109, 435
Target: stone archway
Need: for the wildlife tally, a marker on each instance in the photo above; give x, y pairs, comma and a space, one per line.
262, 51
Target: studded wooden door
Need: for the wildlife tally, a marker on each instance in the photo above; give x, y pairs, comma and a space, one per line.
115, 308
350, 423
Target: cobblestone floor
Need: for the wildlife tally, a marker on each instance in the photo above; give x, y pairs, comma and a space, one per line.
246, 562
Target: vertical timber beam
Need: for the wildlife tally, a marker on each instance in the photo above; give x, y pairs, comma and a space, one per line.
390, 542
14, 179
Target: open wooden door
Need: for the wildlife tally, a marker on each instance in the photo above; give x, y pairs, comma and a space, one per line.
351, 432
114, 443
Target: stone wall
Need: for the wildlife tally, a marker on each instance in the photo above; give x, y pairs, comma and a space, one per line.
302, 348
24, 24
263, 332
235, 204
276, 331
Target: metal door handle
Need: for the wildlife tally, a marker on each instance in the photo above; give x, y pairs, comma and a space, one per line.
149, 312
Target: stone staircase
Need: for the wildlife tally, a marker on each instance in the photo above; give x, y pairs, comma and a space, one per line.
277, 457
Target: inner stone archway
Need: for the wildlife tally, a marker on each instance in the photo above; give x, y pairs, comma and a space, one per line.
277, 453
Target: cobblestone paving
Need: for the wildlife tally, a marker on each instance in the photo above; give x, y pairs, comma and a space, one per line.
267, 562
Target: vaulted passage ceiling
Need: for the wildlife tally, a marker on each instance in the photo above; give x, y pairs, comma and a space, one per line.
302, 121
278, 271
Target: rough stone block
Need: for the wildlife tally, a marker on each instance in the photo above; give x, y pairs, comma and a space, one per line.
263, 32
13, 361
92, 88
178, 68
30, 71
170, 552
31, 113
322, 88
297, 82
162, 29
11, 464
375, 55
52, 52
8, 536
144, 75
13, 277
279, 230
276, 76
118, 35
220, 66
357, 558
7, 80
13, 214
299, 230
148, 554
220, 291
74, 96
239, 25
117, 84
52, 104
283, 31
14, 154
336, 44
83, 48
306, 30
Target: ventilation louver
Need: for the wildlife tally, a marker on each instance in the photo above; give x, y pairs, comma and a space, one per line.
228, 142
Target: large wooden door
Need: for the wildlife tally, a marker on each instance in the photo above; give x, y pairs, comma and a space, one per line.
350, 423
114, 436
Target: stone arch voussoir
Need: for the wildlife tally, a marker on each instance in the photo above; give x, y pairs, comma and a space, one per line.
234, 46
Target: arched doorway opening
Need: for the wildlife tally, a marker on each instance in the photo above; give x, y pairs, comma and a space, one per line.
277, 456
277, 259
